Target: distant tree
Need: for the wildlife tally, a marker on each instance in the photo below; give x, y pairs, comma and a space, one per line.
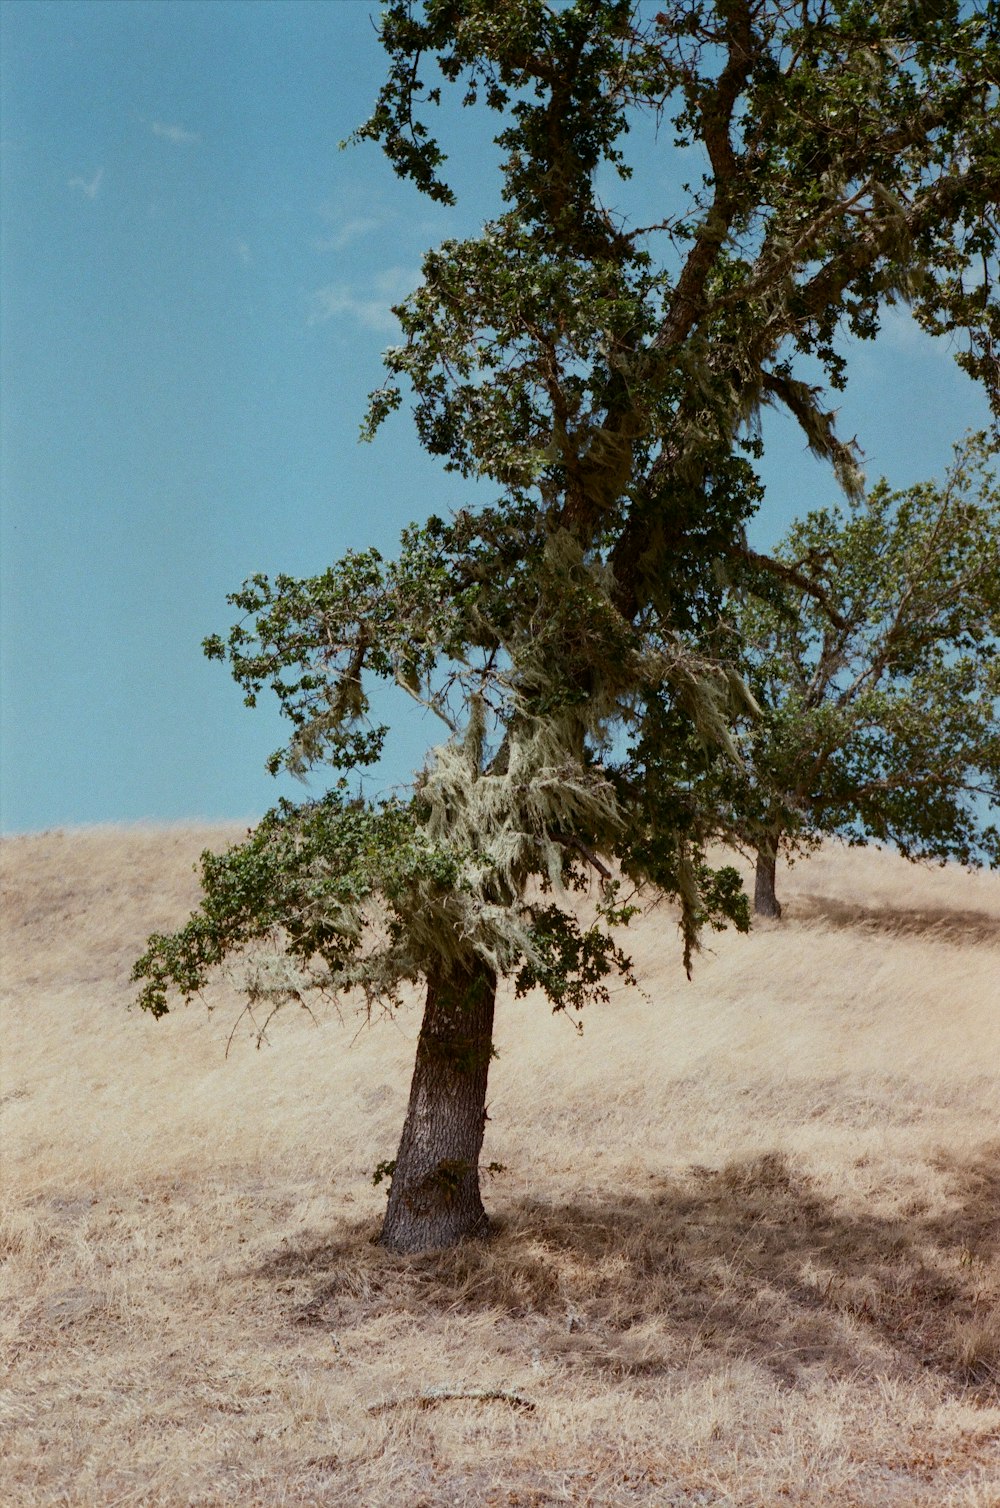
605, 377
881, 697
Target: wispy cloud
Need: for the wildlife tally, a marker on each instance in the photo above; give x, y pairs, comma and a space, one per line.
901, 332
89, 186
372, 306
350, 230
244, 253
175, 134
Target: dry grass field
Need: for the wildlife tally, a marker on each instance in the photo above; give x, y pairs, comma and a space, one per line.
746, 1247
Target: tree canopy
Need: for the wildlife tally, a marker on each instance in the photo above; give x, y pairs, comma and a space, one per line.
880, 699
607, 380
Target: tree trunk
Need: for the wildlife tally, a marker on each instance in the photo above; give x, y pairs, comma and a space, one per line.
434, 1199
765, 900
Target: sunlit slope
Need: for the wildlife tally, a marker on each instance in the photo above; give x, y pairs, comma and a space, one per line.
883, 974
746, 1241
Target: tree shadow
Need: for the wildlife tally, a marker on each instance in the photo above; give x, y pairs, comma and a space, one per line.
748, 1262
942, 923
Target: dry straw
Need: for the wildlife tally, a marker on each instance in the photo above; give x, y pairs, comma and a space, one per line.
746, 1245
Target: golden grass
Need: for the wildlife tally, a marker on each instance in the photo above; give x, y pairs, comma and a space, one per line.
745, 1253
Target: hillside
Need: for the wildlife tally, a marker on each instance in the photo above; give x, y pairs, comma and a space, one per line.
746, 1250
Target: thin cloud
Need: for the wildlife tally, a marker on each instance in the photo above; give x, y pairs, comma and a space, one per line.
175, 134
351, 230
336, 299
902, 332
371, 307
89, 186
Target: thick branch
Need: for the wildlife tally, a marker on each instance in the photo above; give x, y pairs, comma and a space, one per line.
792, 576
826, 288
688, 302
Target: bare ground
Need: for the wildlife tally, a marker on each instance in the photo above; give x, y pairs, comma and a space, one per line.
745, 1248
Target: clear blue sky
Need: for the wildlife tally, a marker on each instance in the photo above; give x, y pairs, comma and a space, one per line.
195, 291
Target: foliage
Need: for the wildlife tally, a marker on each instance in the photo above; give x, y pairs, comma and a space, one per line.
606, 378
882, 700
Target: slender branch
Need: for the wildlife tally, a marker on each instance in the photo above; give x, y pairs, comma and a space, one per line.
588, 854
793, 577
433, 1396
430, 703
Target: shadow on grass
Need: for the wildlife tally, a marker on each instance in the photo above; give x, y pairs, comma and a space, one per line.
937, 923
750, 1262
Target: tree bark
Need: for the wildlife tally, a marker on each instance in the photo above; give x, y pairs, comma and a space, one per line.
434, 1199
765, 900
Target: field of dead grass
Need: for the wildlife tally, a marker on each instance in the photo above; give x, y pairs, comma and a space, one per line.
745, 1251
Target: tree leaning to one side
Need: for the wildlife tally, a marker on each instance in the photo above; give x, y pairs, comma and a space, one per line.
605, 378
881, 701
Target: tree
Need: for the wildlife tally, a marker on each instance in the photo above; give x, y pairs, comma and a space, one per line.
605, 378
879, 698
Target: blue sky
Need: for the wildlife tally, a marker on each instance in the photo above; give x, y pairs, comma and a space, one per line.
194, 293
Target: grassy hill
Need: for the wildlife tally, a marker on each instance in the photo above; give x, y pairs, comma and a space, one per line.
746, 1250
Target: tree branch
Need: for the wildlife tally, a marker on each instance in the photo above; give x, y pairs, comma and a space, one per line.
588, 854
792, 576
433, 1396
688, 302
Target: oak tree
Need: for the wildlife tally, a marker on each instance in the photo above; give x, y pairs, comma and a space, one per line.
879, 691
605, 378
